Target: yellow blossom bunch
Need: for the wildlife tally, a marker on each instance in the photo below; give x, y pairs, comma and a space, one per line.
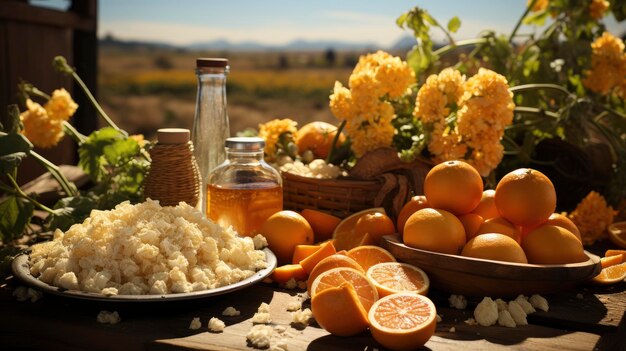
272, 130
365, 105
592, 216
43, 125
539, 5
608, 65
483, 107
598, 8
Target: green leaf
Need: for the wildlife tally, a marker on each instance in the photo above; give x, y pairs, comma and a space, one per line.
15, 214
91, 153
401, 20
13, 149
454, 24
428, 18
619, 9
121, 151
11, 122
69, 211
537, 18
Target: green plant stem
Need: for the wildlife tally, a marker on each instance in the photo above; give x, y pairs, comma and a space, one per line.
536, 111
450, 47
75, 134
95, 103
22, 194
335, 140
68, 187
520, 20
540, 86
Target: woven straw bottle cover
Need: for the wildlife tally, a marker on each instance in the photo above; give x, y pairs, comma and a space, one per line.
174, 175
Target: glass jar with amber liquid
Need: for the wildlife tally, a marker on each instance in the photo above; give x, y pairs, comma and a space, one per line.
244, 190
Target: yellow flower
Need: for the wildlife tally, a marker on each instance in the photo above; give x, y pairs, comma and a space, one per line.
39, 128
487, 157
608, 64
139, 138
272, 130
395, 77
431, 102
539, 5
341, 104
368, 135
60, 106
445, 144
598, 8
592, 216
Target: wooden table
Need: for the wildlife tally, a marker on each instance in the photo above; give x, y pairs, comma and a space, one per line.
587, 318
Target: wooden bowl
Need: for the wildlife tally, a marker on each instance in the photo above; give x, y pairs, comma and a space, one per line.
478, 277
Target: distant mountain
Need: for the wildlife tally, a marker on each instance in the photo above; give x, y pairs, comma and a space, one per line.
300, 44
111, 42
403, 44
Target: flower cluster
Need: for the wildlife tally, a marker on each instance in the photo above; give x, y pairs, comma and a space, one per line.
272, 131
465, 119
592, 216
608, 65
365, 106
597, 8
43, 125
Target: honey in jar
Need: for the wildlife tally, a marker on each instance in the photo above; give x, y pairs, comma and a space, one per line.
244, 190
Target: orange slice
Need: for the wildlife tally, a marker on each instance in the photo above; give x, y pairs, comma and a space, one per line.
364, 288
344, 235
403, 321
323, 224
325, 250
615, 253
330, 262
369, 255
283, 274
617, 234
303, 251
339, 310
611, 260
611, 275
394, 277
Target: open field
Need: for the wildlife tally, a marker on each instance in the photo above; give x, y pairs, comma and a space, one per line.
148, 89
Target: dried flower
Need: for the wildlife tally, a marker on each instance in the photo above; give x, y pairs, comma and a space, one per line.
592, 216
608, 64
39, 128
272, 130
60, 106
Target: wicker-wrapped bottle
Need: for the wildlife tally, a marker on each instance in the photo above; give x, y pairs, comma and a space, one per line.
174, 175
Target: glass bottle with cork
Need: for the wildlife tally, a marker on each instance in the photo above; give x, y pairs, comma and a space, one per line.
210, 126
244, 190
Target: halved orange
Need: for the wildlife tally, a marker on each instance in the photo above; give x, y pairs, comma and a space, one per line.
363, 286
344, 236
403, 321
369, 255
394, 277
339, 311
330, 262
611, 260
612, 252
611, 275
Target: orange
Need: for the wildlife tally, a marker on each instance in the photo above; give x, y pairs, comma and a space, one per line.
454, 186
323, 224
549, 244
283, 274
525, 197
375, 224
318, 137
330, 262
415, 204
558, 220
363, 286
434, 230
487, 206
303, 251
326, 249
615, 252
393, 277
501, 226
284, 230
611, 260
369, 255
344, 236
493, 246
403, 321
617, 234
471, 222
611, 275
338, 310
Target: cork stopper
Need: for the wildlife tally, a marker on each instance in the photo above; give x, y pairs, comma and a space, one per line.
173, 136
211, 62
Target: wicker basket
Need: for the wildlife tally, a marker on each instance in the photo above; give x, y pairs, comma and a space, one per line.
340, 197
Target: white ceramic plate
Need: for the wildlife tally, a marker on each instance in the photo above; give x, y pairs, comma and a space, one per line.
21, 270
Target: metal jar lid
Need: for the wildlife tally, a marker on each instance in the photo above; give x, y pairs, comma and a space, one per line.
245, 143
211, 62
